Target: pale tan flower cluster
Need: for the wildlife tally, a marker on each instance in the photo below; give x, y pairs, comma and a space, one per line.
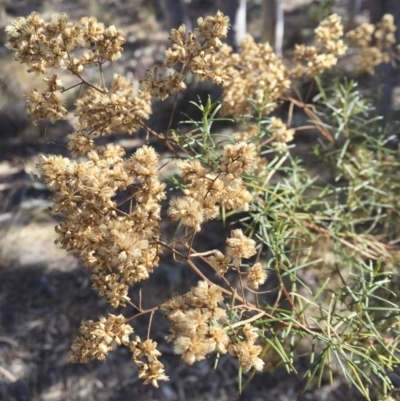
219, 262
385, 32
96, 340
43, 45
362, 35
369, 58
375, 43
197, 330
280, 133
329, 33
160, 86
251, 133
206, 191
120, 247
120, 243
102, 113
257, 276
246, 350
48, 104
311, 60
239, 247
195, 52
151, 370
256, 73
194, 323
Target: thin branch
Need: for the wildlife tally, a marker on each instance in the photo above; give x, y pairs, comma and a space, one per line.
150, 321
249, 320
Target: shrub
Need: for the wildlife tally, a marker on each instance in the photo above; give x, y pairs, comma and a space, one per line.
343, 230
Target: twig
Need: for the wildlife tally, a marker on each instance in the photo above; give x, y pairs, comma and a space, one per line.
249, 320
150, 321
277, 165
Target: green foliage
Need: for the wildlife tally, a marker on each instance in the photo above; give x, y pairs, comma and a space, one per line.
349, 319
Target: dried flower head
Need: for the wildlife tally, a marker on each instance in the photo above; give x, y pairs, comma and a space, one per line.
161, 87
256, 73
116, 111
369, 58
257, 276
330, 29
205, 191
43, 45
246, 351
96, 338
238, 158
195, 53
194, 327
362, 35
121, 250
311, 60
280, 133
48, 104
219, 262
213, 28
151, 370
375, 43
240, 247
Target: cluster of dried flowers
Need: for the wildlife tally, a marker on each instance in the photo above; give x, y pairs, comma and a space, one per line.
375, 43
198, 329
121, 245
239, 247
206, 191
121, 248
195, 53
43, 45
280, 133
256, 73
311, 60
96, 339
70, 46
